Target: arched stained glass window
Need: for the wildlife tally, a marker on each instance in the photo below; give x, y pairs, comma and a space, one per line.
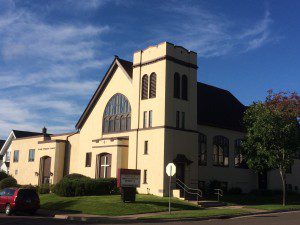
220, 151
117, 114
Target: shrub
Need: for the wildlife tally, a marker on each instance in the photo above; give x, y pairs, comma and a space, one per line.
29, 186
84, 187
44, 189
8, 182
3, 175
235, 191
75, 176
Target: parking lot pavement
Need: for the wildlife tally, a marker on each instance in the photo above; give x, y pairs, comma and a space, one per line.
288, 218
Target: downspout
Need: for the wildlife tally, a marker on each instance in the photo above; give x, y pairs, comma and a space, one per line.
137, 131
66, 148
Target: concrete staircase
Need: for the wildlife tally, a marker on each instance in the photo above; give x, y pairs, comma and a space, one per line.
193, 196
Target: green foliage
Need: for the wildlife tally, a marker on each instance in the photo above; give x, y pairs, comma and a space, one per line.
75, 176
70, 186
44, 189
235, 191
270, 141
272, 136
3, 175
8, 182
29, 186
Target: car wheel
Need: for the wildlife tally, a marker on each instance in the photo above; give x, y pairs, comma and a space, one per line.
8, 210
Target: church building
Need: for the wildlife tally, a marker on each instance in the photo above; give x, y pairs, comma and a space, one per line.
144, 115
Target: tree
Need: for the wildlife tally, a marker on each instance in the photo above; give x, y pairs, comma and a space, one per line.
272, 134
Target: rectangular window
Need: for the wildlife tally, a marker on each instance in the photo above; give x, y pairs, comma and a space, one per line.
88, 159
239, 160
146, 148
16, 156
145, 120
145, 176
177, 119
202, 150
150, 118
31, 155
183, 120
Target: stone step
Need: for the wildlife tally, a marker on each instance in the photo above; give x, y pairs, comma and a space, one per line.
211, 204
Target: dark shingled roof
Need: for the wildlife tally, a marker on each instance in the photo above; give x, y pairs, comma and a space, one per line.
127, 65
219, 108
2, 143
22, 134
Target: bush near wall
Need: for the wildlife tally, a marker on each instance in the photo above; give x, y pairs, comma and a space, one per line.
43, 189
8, 182
3, 175
84, 186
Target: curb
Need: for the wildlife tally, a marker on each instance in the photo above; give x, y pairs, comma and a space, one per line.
141, 219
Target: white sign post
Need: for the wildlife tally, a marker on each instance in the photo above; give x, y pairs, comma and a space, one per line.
170, 170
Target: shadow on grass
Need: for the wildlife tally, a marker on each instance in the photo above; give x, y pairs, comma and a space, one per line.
251, 199
174, 205
61, 206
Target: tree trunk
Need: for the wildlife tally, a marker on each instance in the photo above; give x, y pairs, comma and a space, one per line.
282, 175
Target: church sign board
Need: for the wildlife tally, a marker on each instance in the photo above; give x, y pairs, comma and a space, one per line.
129, 178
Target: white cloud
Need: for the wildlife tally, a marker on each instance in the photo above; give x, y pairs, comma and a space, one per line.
41, 69
211, 34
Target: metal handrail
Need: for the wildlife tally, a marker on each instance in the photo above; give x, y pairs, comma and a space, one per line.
189, 190
219, 193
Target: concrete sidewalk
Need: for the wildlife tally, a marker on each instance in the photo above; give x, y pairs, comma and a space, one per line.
136, 218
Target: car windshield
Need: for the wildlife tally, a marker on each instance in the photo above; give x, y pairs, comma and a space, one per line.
27, 193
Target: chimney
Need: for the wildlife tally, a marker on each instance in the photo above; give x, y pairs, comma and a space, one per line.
46, 136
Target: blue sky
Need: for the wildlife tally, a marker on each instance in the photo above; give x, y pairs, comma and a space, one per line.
53, 54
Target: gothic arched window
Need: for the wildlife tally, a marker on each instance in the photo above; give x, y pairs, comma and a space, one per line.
152, 90
145, 87
220, 151
117, 113
184, 83
176, 85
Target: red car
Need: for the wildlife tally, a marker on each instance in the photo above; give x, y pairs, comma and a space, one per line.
19, 199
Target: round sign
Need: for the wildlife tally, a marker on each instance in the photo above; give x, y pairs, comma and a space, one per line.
171, 169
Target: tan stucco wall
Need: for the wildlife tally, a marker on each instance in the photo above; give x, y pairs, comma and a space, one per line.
26, 170
236, 177
274, 180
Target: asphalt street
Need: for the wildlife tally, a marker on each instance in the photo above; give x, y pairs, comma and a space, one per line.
289, 218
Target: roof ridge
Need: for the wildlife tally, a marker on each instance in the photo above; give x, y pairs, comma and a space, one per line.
213, 86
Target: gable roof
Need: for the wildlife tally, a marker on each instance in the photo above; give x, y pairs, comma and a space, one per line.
219, 108
22, 134
13, 135
125, 65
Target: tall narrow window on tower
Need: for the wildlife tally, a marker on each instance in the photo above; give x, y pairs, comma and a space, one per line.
184, 86
152, 90
145, 87
150, 118
183, 120
176, 85
177, 119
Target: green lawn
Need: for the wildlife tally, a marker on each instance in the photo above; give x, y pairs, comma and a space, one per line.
111, 205
201, 213
272, 207
251, 199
